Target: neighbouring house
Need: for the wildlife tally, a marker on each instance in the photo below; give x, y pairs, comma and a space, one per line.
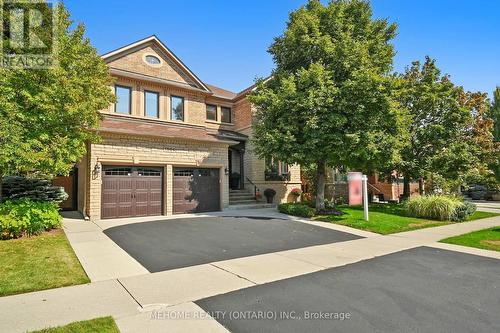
336, 187
170, 144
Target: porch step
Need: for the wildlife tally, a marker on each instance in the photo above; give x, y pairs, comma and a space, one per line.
242, 201
242, 195
255, 205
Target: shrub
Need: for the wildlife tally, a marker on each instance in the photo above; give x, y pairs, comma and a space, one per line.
24, 216
296, 192
296, 209
439, 207
16, 187
464, 211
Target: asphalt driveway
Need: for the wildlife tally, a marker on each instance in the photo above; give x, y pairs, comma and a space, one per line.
168, 244
418, 290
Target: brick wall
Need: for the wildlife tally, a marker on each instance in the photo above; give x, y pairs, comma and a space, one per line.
128, 150
134, 62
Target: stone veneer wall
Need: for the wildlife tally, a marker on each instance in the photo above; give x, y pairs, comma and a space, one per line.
130, 150
255, 170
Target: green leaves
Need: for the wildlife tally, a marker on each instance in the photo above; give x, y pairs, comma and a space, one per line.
48, 115
330, 100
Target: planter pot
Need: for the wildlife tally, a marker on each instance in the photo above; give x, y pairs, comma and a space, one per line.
270, 199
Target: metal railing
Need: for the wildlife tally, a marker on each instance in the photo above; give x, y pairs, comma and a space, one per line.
255, 189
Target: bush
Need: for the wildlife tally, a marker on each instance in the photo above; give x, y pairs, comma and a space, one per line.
15, 187
440, 207
464, 211
24, 216
296, 209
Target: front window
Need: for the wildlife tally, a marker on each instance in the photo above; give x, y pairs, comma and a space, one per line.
276, 170
123, 99
151, 104
211, 112
177, 108
225, 114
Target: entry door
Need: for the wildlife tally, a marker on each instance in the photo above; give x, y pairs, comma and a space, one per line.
131, 191
196, 190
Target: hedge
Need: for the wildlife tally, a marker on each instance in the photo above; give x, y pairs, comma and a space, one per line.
296, 209
16, 187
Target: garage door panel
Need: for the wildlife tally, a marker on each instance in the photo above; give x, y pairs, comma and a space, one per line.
196, 190
130, 191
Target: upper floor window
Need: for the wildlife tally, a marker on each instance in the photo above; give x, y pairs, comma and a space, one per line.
123, 99
276, 170
225, 114
211, 112
177, 108
151, 104
153, 60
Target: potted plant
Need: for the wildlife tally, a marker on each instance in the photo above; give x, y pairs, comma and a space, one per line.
296, 192
234, 180
269, 193
258, 195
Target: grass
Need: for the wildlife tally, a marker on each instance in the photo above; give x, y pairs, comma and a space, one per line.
37, 263
101, 325
387, 219
488, 239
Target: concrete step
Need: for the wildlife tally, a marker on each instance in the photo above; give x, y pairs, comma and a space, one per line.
239, 191
250, 206
242, 201
238, 196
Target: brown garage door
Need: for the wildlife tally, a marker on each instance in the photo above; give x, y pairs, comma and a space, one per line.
131, 191
196, 190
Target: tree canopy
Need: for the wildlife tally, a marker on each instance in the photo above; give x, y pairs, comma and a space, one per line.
48, 115
329, 100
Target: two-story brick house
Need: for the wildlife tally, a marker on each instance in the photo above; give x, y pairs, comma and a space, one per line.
170, 143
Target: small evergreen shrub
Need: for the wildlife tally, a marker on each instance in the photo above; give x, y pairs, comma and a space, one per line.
24, 216
296, 209
440, 207
16, 187
464, 211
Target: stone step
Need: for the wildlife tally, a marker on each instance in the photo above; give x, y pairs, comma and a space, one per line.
242, 201
246, 195
250, 206
239, 191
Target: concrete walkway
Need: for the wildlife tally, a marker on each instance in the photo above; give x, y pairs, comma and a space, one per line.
140, 301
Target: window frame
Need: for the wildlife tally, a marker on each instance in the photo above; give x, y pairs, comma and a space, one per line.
129, 99
213, 105
172, 108
222, 115
150, 56
279, 175
157, 104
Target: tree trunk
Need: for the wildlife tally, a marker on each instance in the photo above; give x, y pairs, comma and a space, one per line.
421, 186
320, 186
1, 180
406, 188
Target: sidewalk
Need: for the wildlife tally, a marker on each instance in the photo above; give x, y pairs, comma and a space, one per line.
129, 299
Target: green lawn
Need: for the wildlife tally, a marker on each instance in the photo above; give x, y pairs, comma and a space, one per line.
101, 325
37, 263
488, 239
387, 219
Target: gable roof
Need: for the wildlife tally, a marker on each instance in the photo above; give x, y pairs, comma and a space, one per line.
164, 48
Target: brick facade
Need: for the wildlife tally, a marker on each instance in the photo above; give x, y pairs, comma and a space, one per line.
171, 77
137, 151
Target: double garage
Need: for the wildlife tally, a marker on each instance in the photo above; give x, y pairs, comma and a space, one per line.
130, 191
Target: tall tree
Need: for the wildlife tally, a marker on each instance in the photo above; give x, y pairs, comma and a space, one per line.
328, 101
495, 114
440, 127
48, 115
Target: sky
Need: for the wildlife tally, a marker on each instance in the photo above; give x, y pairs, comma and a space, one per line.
225, 42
